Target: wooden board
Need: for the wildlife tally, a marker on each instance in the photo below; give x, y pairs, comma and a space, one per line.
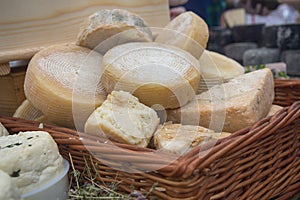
28, 25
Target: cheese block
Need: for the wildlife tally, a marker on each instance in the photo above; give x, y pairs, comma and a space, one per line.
32, 159
3, 131
231, 106
108, 28
274, 109
124, 119
155, 73
8, 190
187, 31
178, 138
63, 82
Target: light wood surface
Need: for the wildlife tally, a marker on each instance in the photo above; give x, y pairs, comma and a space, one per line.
28, 25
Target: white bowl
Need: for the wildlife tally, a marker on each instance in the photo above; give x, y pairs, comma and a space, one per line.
57, 189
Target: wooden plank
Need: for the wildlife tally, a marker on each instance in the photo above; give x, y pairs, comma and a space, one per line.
28, 25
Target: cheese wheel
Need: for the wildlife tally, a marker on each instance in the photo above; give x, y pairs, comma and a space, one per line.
32, 159
3, 131
108, 28
187, 31
124, 119
27, 111
8, 190
63, 82
155, 73
231, 106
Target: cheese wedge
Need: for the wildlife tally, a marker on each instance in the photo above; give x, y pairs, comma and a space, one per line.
108, 28
274, 109
179, 139
231, 106
8, 190
32, 159
3, 131
187, 31
63, 82
155, 73
124, 119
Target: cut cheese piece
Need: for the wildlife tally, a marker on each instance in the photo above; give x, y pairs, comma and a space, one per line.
32, 159
63, 82
8, 190
274, 109
124, 119
155, 73
108, 28
231, 106
178, 139
187, 31
3, 131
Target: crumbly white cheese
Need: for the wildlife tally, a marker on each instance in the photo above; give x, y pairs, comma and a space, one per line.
124, 119
231, 106
8, 190
3, 131
32, 159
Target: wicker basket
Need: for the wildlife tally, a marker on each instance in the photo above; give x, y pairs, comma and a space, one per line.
259, 162
287, 91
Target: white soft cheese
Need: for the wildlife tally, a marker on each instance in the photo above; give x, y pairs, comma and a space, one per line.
8, 190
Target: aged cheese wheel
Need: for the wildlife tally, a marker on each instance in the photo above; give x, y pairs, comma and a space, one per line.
124, 119
108, 28
27, 111
178, 138
63, 82
231, 106
155, 73
187, 31
31, 158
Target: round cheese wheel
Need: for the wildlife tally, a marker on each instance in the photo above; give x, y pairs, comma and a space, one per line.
108, 28
187, 31
63, 82
155, 73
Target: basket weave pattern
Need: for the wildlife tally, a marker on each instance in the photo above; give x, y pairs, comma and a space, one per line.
287, 92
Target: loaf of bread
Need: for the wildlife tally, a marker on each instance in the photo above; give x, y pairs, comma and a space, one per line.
8, 190
32, 159
231, 106
154, 73
178, 139
274, 109
124, 119
3, 131
187, 31
108, 28
63, 82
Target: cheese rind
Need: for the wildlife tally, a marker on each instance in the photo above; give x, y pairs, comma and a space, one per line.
154, 73
231, 106
124, 119
8, 190
63, 82
179, 139
187, 31
32, 159
3, 131
108, 28
274, 109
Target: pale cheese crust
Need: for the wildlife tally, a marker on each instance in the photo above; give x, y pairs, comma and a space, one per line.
32, 159
179, 139
231, 106
274, 109
124, 119
108, 28
62, 79
3, 131
154, 73
187, 31
8, 190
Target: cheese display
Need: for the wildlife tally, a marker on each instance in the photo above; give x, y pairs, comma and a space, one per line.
124, 119
32, 159
3, 131
187, 31
274, 109
154, 73
8, 190
178, 139
231, 106
108, 28
63, 82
